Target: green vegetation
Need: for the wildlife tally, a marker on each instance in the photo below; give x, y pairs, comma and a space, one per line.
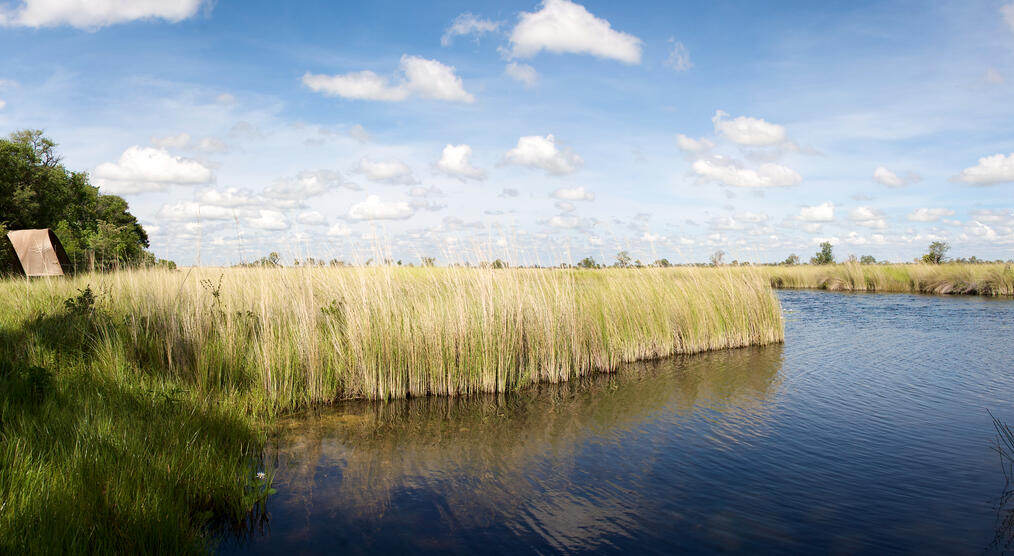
946, 278
37, 191
937, 252
824, 256
133, 404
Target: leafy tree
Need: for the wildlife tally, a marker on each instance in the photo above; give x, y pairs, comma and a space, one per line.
825, 255
426, 261
498, 264
662, 263
622, 259
867, 259
587, 262
792, 259
37, 191
717, 258
937, 252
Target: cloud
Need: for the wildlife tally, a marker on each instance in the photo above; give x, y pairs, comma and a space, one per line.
425, 78
522, 72
359, 133
307, 184
393, 172
455, 160
508, 192
541, 152
994, 77
375, 209
561, 26
886, 177
339, 229
573, 194
230, 197
1007, 11
189, 211
744, 130
868, 217
85, 14
311, 218
991, 170
929, 214
691, 145
823, 212
269, 220
679, 56
180, 141
730, 172
468, 24
225, 98
3, 104
142, 169
563, 221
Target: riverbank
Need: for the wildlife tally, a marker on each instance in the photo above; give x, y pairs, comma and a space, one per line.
947, 278
134, 403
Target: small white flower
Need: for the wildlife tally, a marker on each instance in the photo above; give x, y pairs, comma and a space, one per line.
261, 475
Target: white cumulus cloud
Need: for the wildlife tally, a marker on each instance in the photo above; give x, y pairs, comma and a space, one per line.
561, 26
990, 170
929, 214
573, 194
189, 211
563, 221
468, 24
1007, 11
542, 152
394, 172
868, 217
691, 145
419, 76
522, 72
143, 169
823, 212
375, 209
267, 219
886, 177
92, 14
311, 218
456, 160
745, 130
730, 172
307, 184
339, 229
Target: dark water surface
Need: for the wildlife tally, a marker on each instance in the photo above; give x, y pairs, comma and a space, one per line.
866, 432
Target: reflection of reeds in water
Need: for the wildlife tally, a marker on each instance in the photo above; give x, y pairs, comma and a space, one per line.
510, 458
1004, 538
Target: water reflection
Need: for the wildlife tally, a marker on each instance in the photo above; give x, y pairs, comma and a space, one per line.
519, 462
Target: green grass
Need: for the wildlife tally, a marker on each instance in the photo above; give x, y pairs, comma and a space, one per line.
133, 405
947, 278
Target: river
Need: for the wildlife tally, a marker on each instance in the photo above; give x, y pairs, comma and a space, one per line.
866, 432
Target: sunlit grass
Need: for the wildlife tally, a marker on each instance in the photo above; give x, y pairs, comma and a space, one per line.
131, 418
948, 278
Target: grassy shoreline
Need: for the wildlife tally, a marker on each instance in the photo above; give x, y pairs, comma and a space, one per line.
133, 405
941, 279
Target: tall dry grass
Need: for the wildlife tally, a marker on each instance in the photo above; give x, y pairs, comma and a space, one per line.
948, 278
295, 337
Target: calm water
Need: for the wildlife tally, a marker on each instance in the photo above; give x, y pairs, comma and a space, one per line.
865, 432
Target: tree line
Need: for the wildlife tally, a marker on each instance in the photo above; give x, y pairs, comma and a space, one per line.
38, 191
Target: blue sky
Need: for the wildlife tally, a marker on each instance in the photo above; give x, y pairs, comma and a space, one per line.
536, 132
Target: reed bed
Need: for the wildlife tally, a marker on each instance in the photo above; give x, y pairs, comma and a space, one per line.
948, 278
133, 405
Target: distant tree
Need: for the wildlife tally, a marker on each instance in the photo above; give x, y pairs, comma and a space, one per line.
662, 263
825, 255
867, 259
587, 262
428, 261
717, 257
937, 252
792, 259
622, 259
498, 264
